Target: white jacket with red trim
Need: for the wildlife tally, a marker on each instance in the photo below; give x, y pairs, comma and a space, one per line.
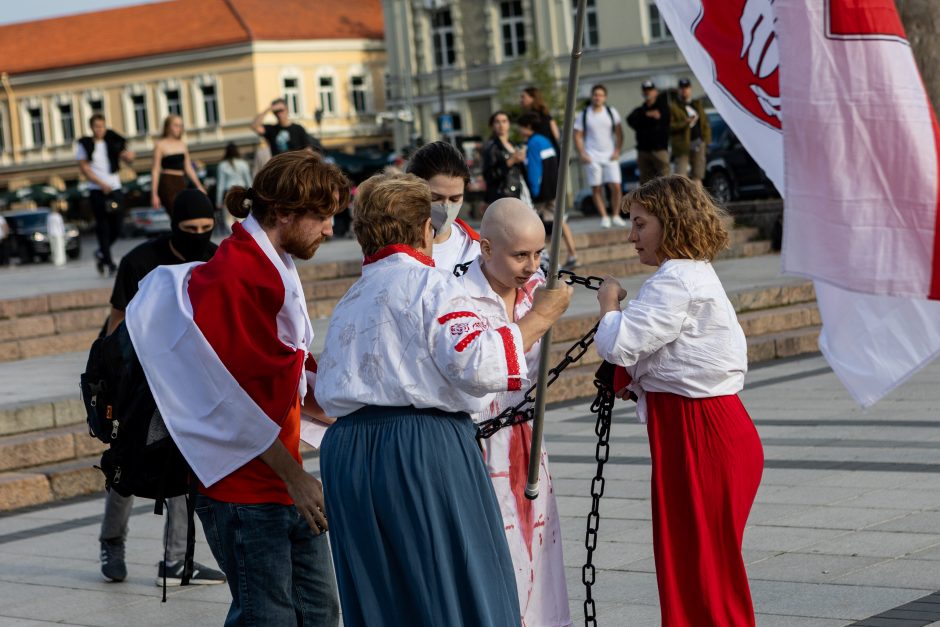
405, 334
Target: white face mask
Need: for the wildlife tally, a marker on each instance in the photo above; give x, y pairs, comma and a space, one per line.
443, 215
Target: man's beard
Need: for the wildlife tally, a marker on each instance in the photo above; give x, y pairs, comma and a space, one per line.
294, 244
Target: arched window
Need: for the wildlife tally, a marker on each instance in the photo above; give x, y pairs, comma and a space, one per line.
137, 110
326, 92
360, 91
292, 92
206, 96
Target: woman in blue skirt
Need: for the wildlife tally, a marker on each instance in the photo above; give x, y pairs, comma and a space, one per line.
415, 527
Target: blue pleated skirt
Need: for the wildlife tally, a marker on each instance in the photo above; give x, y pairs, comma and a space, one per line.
415, 528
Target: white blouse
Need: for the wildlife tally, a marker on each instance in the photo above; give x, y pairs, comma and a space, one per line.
407, 333
680, 334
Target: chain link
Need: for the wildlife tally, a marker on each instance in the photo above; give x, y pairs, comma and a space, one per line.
516, 415
590, 282
603, 406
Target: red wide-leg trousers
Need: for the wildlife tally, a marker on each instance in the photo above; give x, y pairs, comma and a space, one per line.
707, 464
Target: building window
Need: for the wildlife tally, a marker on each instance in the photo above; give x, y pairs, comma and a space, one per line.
67, 120
513, 27
658, 28
445, 55
327, 95
35, 126
210, 105
174, 103
360, 94
291, 95
3, 130
96, 105
592, 37
139, 107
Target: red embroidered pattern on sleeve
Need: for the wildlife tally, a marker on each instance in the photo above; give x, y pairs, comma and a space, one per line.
465, 342
456, 314
512, 359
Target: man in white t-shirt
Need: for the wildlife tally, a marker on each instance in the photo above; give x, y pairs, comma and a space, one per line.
99, 160
598, 136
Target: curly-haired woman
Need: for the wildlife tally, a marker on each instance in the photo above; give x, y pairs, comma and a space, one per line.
681, 344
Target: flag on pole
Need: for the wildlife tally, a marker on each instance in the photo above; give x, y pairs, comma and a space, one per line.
826, 97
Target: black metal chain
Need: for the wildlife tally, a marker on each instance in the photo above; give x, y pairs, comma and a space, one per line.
516, 415
603, 406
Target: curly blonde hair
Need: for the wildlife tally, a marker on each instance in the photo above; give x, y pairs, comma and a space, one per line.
391, 209
692, 222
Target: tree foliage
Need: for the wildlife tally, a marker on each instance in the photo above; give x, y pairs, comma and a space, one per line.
536, 70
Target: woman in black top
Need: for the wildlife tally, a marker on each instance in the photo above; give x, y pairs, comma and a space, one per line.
171, 165
503, 163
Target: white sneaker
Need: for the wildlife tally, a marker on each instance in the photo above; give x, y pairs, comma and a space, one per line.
605, 222
618, 221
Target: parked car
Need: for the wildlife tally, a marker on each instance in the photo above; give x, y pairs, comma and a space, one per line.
629, 180
359, 165
29, 239
731, 173
146, 221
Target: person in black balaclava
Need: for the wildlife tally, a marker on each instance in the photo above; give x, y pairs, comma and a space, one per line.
192, 224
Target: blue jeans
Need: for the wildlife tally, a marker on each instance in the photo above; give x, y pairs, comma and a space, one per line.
278, 571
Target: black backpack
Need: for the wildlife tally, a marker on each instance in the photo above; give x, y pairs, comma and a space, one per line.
142, 459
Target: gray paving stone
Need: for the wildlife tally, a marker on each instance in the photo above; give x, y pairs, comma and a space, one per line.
875, 544
808, 568
816, 600
839, 517
918, 522
772, 538
908, 573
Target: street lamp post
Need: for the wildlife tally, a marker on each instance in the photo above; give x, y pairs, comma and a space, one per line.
440, 64
435, 10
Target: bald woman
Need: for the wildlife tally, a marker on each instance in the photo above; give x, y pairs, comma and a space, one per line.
502, 281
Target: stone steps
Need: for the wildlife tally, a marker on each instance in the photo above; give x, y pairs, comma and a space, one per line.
70, 321
46, 453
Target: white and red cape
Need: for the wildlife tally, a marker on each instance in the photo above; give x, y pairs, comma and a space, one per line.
225, 378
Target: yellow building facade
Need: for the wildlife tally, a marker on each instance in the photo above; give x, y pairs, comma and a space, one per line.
217, 86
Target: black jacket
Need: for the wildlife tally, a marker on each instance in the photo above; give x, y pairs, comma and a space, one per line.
651, 134
501, 180
115, 144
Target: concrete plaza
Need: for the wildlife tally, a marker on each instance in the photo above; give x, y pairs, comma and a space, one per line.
846, 526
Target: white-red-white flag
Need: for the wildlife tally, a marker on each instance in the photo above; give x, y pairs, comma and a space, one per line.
826, 96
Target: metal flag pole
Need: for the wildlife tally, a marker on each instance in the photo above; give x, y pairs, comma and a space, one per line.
532, 487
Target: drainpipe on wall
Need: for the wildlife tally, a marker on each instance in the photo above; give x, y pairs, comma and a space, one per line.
14, 117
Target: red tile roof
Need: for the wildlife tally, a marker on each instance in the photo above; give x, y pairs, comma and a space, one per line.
176, 26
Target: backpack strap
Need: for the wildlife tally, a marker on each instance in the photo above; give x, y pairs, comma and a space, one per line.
188, 565
613, 123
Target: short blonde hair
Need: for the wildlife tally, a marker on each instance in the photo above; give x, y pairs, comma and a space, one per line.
692, 222
391, 209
